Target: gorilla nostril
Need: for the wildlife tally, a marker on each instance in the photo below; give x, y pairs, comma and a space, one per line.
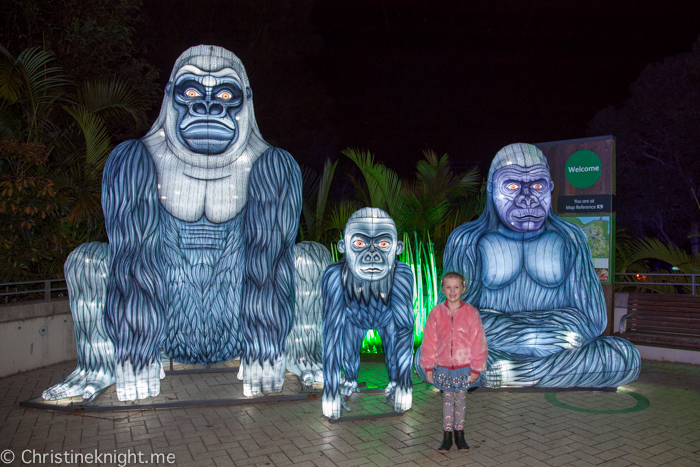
199, 109
216, 109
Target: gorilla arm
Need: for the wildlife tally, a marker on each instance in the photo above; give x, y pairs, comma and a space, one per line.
333, 339
134, 315
533, 332
401, 384
271, 224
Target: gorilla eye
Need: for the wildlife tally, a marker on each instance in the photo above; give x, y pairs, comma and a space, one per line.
192, 93
384, 244
358, 243
537, 186
512, 186
225, 95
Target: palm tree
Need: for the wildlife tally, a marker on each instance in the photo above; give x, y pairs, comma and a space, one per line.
634, 257
439, 197
29, 87
431, 206
382, 187
96, 101
40, 105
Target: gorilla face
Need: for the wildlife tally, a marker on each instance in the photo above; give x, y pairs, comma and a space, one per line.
370, 246
208, 105
522, 196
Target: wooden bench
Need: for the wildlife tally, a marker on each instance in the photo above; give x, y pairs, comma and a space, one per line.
662, 320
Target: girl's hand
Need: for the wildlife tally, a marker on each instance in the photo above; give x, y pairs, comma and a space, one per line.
473, 377
429, 376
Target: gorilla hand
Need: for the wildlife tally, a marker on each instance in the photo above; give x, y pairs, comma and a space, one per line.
265, 378
138, 383
534, 333
403, 398
333, 406
400, 398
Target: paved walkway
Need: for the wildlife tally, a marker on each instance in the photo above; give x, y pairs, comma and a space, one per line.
506, 429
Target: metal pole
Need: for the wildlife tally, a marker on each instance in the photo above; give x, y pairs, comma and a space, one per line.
47, 291
39, 403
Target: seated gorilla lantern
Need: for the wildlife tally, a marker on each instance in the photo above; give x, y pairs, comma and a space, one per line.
531, 276
201, 216
368, 289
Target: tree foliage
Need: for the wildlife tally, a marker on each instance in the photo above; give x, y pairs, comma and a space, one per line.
658, 149
91, 40
30, 208
76, 86
319, 216
431, 206
55, 142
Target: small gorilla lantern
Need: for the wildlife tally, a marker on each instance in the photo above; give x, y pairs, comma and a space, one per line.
201, 216
368, 289
531, 275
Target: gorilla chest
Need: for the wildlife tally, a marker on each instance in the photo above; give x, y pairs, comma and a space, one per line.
368, 316
503, 260
190, 193
196, 252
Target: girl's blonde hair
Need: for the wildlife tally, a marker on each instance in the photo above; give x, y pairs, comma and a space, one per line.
453, 275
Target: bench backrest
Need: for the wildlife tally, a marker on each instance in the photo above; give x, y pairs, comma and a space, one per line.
664, 313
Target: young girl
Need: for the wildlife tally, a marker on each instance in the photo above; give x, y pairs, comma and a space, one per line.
453, 354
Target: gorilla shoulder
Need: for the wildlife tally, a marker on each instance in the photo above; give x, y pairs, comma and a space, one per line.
130, 158
276, 164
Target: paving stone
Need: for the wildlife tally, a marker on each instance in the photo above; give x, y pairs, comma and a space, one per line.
503, 429
533, 462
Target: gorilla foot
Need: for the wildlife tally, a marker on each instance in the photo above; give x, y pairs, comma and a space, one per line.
307, 378
140, 383
260, 379
348, 388
71, 386
601, 362
345, 405
318, 372
97, 381
79, 382
389, 391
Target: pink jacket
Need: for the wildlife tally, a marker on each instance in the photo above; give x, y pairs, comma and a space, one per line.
453, 340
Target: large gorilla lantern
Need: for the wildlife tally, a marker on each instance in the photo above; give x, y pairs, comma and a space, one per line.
531, 275
368, 289
201, 216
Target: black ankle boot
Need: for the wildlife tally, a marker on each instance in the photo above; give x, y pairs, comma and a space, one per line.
446, 441
459, 441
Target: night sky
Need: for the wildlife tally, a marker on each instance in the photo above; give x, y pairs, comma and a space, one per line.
396, 77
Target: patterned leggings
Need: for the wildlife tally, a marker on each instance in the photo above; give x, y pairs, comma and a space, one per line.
453, 409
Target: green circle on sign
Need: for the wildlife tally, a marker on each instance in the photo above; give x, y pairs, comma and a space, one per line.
583, 168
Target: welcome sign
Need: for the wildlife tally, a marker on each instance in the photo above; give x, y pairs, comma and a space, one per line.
583, 171
583, 168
